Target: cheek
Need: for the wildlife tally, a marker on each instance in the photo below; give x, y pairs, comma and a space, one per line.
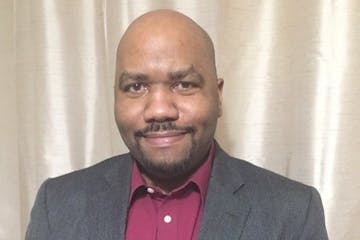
202, 112
126, 116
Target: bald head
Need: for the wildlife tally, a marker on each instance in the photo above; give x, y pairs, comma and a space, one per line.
166, 27
167, 95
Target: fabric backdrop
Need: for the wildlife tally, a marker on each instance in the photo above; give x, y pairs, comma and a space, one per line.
292, 90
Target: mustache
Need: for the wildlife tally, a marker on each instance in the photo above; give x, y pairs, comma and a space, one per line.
162, 126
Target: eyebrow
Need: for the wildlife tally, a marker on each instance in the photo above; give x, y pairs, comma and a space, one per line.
132, 75
182, 73
173, 76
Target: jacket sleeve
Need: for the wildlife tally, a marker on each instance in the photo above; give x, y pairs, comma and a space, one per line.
314, 224
38, 228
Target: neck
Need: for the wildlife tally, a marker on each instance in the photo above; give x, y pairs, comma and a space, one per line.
164, 185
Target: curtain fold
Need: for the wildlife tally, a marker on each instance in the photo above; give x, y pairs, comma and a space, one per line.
290, 96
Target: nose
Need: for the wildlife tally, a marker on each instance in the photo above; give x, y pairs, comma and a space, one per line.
161, 106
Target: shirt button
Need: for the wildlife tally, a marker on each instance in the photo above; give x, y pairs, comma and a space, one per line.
150, 190
167, 219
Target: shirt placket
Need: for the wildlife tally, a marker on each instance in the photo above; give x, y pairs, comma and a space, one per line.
167, 219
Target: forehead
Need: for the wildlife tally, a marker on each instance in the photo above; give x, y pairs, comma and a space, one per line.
158, 47
161, 53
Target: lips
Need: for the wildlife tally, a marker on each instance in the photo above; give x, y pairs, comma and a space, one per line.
163, 138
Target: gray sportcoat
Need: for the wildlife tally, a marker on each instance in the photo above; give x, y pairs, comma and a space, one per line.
243, 202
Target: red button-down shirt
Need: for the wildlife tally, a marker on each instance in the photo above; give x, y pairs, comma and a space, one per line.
176, 216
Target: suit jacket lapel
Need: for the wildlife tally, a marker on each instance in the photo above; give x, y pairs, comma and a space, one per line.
108, 209
226, 210
225, 213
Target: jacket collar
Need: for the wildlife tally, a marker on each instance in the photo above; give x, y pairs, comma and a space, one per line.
108, 209
225, 213
226, 210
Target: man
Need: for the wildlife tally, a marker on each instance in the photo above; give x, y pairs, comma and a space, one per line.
176, 182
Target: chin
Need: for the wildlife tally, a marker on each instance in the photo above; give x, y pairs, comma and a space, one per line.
166, 167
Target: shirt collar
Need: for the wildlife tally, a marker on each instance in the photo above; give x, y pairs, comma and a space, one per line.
200, 177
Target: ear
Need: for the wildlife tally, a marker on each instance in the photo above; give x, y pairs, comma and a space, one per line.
220, 84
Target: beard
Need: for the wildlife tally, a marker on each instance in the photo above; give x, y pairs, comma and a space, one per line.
169, 164
168, 167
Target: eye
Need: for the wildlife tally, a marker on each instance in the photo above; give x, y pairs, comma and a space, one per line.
184, 85
135, 88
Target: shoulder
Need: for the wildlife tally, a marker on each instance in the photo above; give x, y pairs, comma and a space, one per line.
263, 186
63, 201
277, 203
91, 179
259, 177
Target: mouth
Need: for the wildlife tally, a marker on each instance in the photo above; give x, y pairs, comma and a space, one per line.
164, 138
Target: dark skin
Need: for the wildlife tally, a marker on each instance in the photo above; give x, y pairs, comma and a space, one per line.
167, 96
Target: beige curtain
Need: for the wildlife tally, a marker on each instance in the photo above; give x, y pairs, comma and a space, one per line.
292, 90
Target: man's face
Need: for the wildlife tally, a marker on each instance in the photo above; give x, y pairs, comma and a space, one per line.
167, 101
